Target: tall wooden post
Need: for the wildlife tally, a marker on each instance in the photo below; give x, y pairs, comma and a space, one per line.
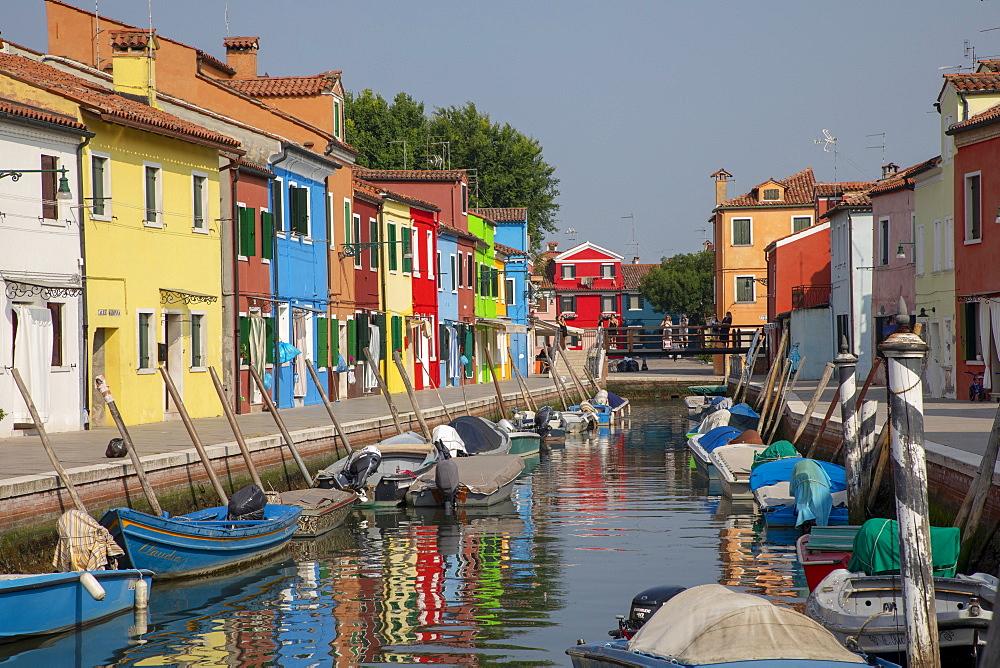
398, 359
572, 374
905, 352
273, 410
496, 383
824, 379
444, 406
847, 364
555, 378
373, 366
528, 403
329, 411
237, 433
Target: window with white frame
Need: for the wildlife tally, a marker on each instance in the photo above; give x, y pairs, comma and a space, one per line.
415, 249
800, 223
949, 242
635, 302
567, 304
50, 180
100, 186
375, 251
607, 303
508, 288
199, 201
434, 268
742, 232
356, 234
197, 340
456, 271
437, 260
145, 340
745, 293
470, 268
153, 194
918, 250
465, 198
607, 271
568, 271
973, 208
771, 194
348, 216
938, 231
883, 241
56, 311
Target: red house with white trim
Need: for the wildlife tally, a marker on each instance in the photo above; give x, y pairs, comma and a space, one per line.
588, 283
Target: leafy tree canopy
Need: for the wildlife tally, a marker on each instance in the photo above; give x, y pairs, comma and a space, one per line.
682, 284
509, 169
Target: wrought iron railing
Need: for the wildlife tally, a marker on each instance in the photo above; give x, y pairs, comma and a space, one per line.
810, 296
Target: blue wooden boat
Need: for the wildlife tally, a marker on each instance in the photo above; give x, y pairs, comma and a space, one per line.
200, 542
703, 444
770, 484
49, 603
603, 413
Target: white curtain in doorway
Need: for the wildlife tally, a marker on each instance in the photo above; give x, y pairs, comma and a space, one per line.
258, 354
300, 323
375, 346
995, 320
33, 358
454, 369
984, 341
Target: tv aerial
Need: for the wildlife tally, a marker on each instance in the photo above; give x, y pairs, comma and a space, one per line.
829, 141
570, 232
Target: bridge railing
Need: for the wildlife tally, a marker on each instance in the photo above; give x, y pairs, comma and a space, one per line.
675, 340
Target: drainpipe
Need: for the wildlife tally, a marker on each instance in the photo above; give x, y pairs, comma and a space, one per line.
383, 267
84, 341
234, 177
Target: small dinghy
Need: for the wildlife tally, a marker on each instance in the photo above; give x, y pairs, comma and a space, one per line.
742, 416
397, 456
524, 443
824, 550
717, 418
205, 541
546, 422
480, 436
711, 625
734, 461
86, 592
701, 445
618, 405
484, 480
699, 406
814, 493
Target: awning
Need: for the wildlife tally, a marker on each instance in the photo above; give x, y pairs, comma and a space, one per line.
490, 322
545, 327
173, 296
508, 325
48, 286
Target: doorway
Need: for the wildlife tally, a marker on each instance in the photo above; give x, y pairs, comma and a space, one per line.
171, 355
104, 364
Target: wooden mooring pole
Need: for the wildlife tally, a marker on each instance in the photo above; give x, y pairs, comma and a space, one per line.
525, 394
823, 381
905, 352
237, 432
783, 402
968, 515
329, 411
847, 365
496, 383
273, 410
398, 360
373, 366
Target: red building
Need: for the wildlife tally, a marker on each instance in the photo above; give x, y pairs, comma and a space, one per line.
422, 328
798, 270
977, 242
588, 283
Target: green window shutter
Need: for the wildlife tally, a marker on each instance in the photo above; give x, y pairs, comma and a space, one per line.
328, 208
277, 204
407, 249
334, 340
443, 346
364, 335
269, 325
248, 238
373, 253
397, 333
379, 321
495, 276
391, 246
347, 222
470, 347
322, 342
266, 235
244, 340
352, 340
300, 210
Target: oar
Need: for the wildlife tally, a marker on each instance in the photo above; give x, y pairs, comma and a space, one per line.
45, 441
102, 387
329, 410
186, 419
398, 359
237, 434
281, 426
385, 390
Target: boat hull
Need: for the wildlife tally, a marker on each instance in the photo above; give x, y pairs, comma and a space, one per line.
843, 603
322, 509
201, 542
732, 465
614, 654
525, 443
430, 497
33, 605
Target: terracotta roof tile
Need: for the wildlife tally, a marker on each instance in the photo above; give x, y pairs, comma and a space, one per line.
11, 108
798, 191
902, 178
241, 43
409, 174
860, 200
973, 81
365, 188
503, 215
982, 118
131, 39
444, 228
632, 274
98, 100
842, 188
286, 86
214, 62
409, 199
243, 162
507, 250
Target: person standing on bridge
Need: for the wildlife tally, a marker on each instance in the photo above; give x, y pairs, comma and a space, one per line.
682, 333
563, 330
724, 327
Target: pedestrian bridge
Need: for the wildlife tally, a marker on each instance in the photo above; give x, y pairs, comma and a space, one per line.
670, 341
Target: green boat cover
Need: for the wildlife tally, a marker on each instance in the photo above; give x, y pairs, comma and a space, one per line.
876, 549
774, 452
708, 390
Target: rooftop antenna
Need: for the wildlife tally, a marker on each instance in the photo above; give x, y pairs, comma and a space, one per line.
227, 18
398, 141
571, 233
970, 53
828, 141
881, 146
632, 245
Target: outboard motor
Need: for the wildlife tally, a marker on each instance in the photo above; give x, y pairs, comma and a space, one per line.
507, 425
542, 420
446, 475
357, 469
644, 605
247, 504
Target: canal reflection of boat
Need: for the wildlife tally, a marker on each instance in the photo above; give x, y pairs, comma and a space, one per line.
337, 541
483, 480
322, 509
501, 518
713, 625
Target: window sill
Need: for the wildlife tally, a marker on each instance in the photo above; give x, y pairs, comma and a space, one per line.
243, 258
145, 372
62, 369
972, 242
975, 363
200, 230
197, 369
102, 219
52, 222
153, 224
265, 260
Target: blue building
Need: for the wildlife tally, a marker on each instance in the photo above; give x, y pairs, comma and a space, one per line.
511, 239
302, 224
449, 324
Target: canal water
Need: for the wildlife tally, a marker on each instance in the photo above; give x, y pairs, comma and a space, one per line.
595, 522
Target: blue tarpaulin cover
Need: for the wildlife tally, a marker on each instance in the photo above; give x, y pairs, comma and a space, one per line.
772, 473
614, 400
718, 437
810, 485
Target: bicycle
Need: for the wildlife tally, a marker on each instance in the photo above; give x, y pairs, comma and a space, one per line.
976, 389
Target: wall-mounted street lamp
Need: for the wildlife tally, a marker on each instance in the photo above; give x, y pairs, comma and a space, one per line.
359, 247
63, 192
900, 251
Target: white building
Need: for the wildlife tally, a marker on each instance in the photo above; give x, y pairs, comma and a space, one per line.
851, 262
40, 268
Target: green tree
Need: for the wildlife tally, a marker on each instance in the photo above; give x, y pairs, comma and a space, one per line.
377, 129
682, 284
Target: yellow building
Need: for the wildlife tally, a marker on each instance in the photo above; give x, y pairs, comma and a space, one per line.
396, 291
502, 299
150, 223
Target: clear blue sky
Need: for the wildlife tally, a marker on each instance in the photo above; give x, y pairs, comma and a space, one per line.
635, 103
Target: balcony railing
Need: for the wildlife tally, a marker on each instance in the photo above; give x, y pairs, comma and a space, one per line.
810, 296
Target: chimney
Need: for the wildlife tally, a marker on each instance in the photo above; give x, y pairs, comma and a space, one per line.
635, 260
134, 64
553, 246
721, 186
889, 170
241, 55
